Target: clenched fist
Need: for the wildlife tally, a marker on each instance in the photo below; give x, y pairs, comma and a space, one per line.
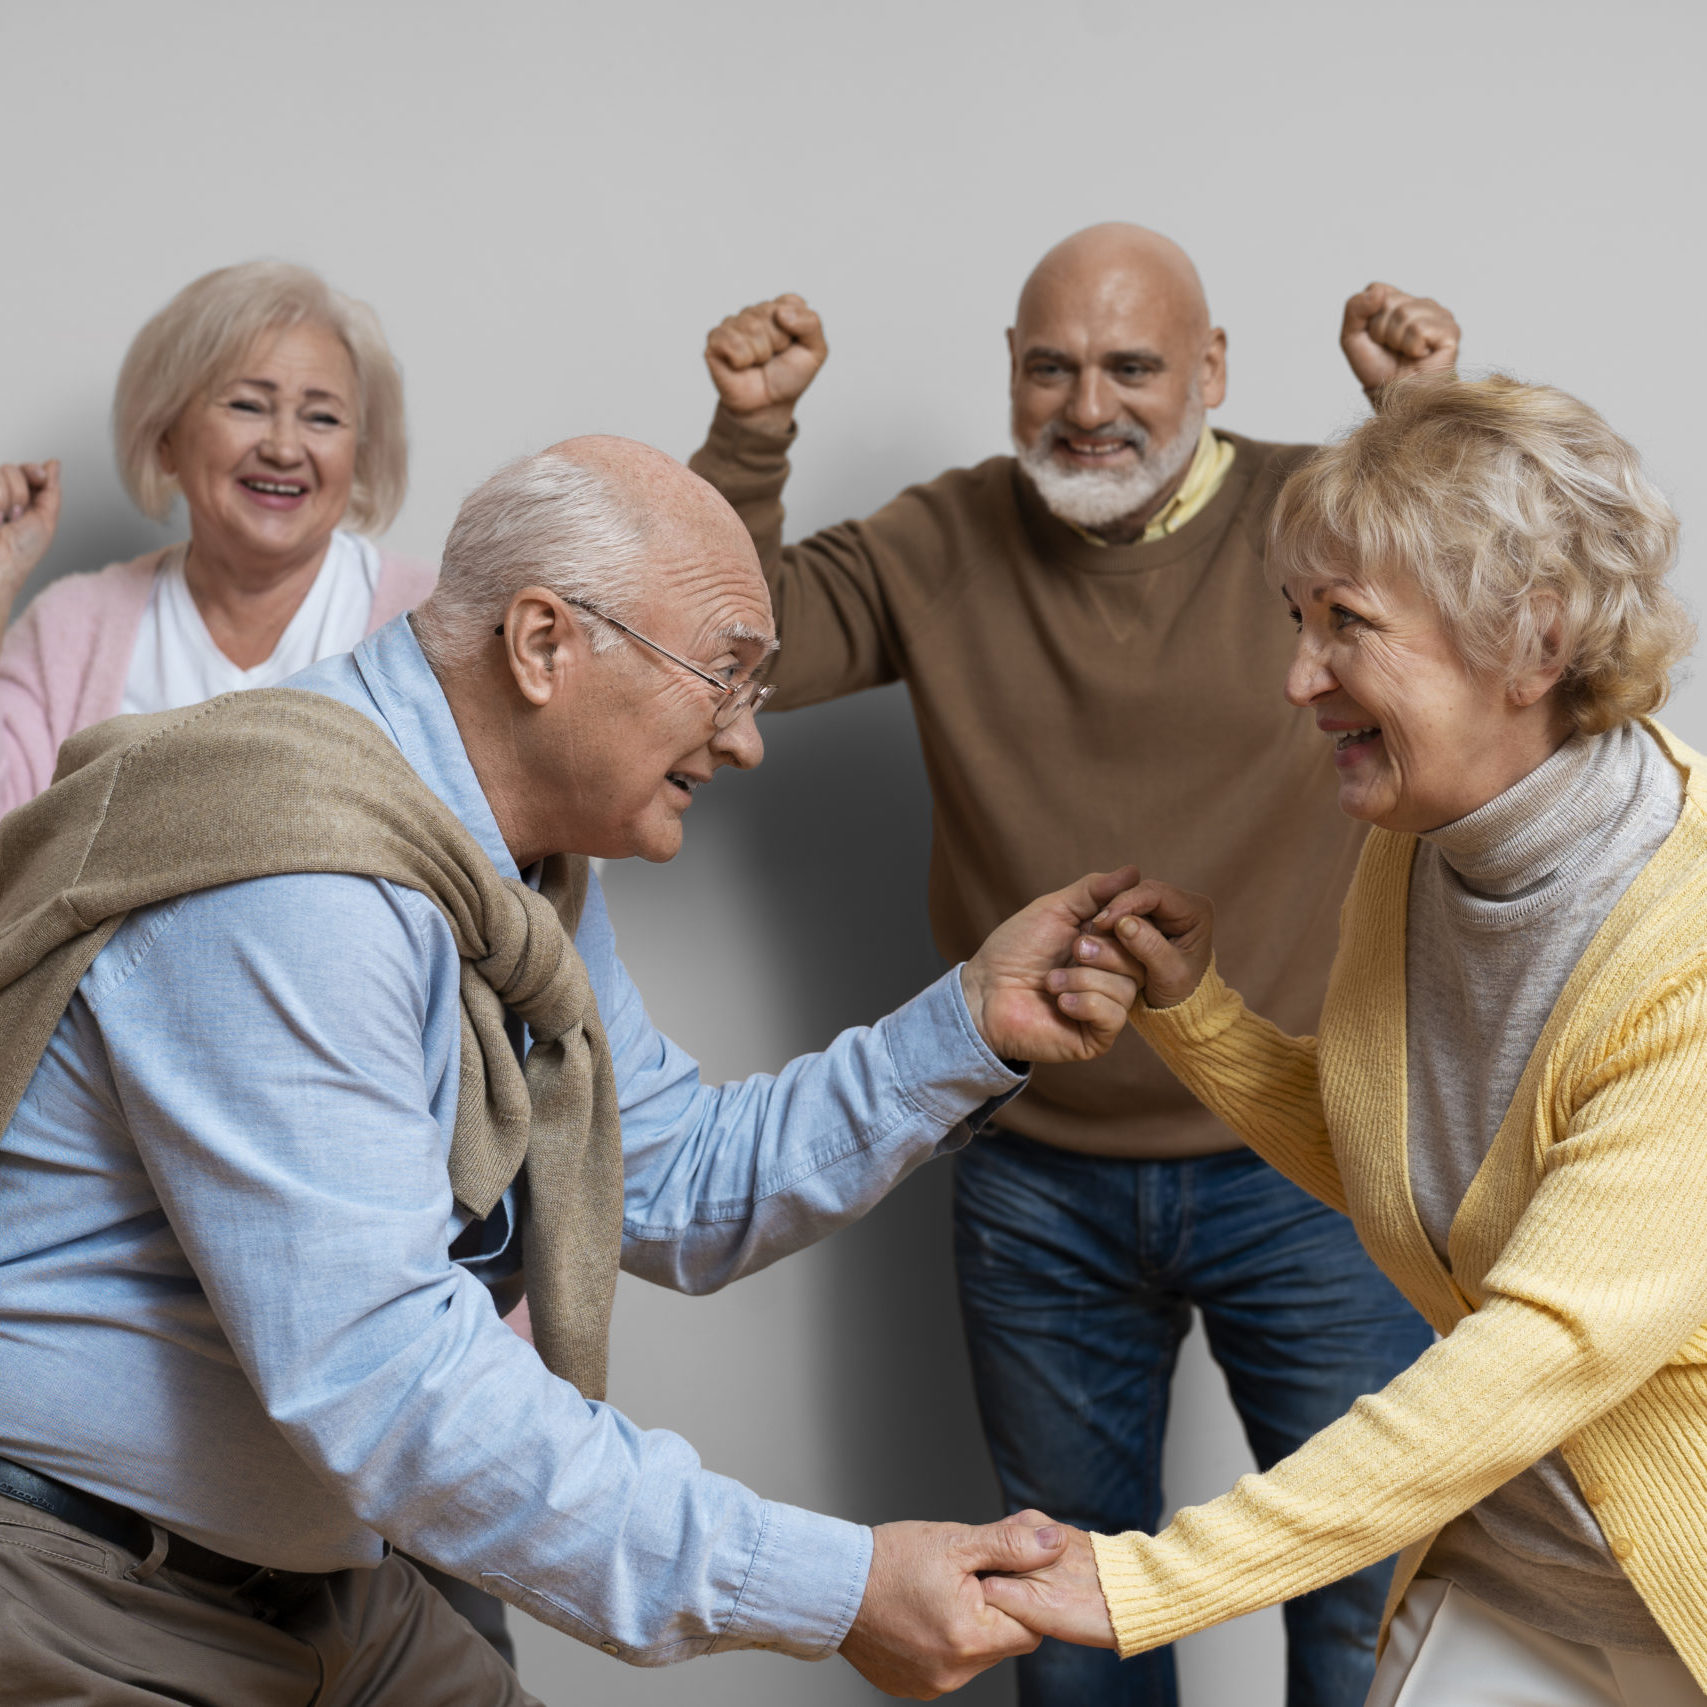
763, 358
29, 514
1387, 335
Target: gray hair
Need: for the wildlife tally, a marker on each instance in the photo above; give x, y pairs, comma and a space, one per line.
203, 335
540, 522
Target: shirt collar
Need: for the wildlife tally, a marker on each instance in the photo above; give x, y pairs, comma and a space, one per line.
1208, 468
412, 708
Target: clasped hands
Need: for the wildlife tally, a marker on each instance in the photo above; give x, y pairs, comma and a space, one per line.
945, 1601
1058, 980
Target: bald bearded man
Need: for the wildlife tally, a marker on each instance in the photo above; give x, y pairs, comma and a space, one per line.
1095, 665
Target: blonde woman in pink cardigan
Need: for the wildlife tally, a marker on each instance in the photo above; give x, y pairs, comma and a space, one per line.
273, 404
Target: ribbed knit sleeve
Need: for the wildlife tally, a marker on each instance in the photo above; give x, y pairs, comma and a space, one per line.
1601, 1279
1261, 1082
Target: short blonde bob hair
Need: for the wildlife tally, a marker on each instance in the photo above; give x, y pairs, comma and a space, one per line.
1526, 521
201, 337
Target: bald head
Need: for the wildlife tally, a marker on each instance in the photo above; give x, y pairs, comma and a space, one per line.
1114, 363
603, 522
661, 496
1118, 263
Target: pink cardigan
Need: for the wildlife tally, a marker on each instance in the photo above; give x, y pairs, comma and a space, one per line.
63, 663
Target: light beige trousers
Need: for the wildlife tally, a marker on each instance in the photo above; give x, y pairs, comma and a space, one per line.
1448, 1649
77, 1630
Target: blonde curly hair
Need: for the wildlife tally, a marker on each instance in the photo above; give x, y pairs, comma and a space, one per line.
202, 335
1526, 521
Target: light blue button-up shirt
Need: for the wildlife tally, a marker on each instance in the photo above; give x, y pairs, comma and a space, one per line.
226, 1294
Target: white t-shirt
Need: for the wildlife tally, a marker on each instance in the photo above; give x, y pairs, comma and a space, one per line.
176, 662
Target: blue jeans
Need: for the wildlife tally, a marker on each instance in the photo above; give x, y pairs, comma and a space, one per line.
1078, 1275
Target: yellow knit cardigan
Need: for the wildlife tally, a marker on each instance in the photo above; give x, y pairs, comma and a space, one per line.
1575, 1311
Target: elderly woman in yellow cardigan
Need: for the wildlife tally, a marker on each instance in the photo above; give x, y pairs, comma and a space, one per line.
1508, 1094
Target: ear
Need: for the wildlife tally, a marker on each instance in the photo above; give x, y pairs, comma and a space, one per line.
164, 455
545, 645
1214, 371
1535, 682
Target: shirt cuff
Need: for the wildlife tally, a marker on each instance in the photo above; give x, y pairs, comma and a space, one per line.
804, 1586
943, 1067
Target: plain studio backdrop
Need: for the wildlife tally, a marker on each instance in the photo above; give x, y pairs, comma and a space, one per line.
550, 204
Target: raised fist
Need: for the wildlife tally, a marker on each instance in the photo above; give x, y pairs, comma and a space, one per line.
29, 513
1387, 335
763, 358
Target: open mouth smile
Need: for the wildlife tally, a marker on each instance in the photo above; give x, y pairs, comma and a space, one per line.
274, 494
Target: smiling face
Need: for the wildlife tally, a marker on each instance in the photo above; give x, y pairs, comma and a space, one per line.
1419, 739
618, 741
1113, 366
266, 459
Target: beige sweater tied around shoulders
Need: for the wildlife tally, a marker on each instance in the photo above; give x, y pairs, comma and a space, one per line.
276, 781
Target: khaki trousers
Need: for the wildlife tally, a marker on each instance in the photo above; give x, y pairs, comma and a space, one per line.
77, 1630
1446, 1649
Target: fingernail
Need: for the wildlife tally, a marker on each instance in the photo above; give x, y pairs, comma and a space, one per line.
1087, 949
1047, 1537
1128, 927
1101, 918
1056, 980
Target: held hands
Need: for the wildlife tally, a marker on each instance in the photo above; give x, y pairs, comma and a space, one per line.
927, 1624
29, 514
1387, 335
763, 358
1064, 1598
1026, 999
1159, 936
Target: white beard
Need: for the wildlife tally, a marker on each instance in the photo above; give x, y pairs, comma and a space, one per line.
1093, 498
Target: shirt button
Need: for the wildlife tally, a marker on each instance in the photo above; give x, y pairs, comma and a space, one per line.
610, 1647
1594, 1492
1621, 1547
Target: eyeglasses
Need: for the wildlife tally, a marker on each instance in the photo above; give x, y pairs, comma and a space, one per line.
737, 696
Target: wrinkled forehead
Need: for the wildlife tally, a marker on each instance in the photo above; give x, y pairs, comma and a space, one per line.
1113, 306
707, 583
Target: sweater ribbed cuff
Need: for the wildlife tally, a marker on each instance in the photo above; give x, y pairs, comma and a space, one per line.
1201, 1018
1124, 1587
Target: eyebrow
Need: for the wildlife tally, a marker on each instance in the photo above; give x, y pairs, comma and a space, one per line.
272, 385
1338, 583
745, 631
1152, 359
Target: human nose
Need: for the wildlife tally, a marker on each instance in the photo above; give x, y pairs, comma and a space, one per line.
741, 744
282, 441
1309, 675
1091, 404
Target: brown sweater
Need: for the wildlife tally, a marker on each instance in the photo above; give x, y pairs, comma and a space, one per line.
1079, 707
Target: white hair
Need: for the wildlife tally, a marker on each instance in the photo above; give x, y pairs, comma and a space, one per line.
540, 522
1095, 497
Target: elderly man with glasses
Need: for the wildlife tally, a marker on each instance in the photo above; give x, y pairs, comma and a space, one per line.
318, 1051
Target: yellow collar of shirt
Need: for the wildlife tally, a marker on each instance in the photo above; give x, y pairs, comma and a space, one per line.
1209, 465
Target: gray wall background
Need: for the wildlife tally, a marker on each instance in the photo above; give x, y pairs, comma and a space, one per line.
550, 203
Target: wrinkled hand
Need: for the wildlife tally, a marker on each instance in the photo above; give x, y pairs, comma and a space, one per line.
925, 1626
1027, 999
1387, 335
1062, 1599
763, 358
1160, 936
29, 514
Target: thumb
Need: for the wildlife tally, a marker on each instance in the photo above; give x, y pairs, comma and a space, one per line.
1013, 1546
